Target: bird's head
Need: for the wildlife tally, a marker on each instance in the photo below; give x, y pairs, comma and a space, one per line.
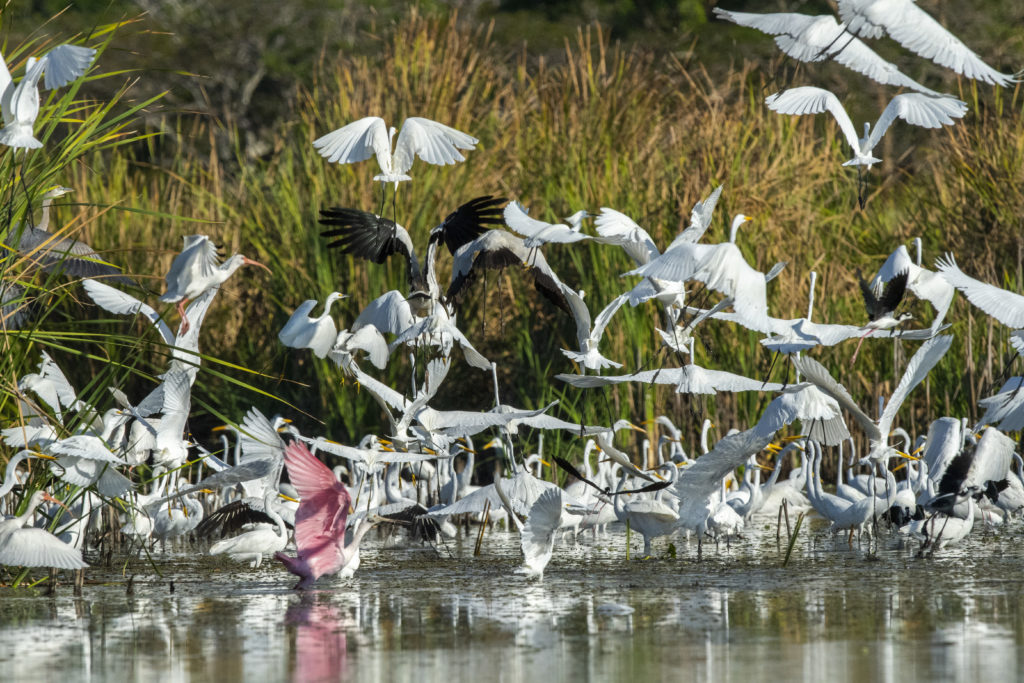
50, 499
738, 220
56, 191
904, 317
574, 221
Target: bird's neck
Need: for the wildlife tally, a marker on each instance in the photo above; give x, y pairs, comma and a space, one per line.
44, 214
357, 537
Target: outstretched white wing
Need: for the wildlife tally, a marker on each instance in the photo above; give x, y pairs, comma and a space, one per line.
518, 219
66, 63
916, 30
810, 100
815, 373
922, 362
390, 312
605, 316
1003, 305
538, 537
355, 142
700, 218
431, 141
32, 547
614, 227
919, 110
119, 303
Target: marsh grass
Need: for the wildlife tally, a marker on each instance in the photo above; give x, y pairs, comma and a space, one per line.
644, 133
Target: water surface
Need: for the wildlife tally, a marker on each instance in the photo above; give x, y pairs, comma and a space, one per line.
424, 614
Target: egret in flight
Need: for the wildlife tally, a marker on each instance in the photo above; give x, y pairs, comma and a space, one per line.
433, 142
916, 30
808, 38
914, 108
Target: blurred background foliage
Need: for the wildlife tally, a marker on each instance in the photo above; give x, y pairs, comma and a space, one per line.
640, 106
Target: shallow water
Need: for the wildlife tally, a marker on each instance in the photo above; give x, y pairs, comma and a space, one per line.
414, 614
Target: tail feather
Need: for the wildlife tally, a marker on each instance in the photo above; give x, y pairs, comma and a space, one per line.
19, 135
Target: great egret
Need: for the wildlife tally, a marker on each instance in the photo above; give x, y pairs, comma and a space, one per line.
922, 362
170, 448
20, 103
925, 284
650, 517
698, 483
808, 38
819, 414
86, 460
27, 546
11, 477
537, 535
537, 233
914, 108
433, 142
196, 270
606, 442
252, 545
588, 339
719, 266
882, 306
916, 30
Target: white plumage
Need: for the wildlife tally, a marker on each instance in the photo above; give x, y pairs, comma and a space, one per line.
196, 269
914, 108
303, 331
922, 362
433, 142
537, 233
20, 103
722, 268
119, 303
588, 339
252, 545
1005, 306
816, 38
538, 533
916, 30
22, 546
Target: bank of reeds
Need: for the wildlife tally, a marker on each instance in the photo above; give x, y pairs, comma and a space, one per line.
645, 133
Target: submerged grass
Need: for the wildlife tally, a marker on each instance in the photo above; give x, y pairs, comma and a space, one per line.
642, 132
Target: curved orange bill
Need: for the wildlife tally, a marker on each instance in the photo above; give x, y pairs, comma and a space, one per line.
250, 262
48, 497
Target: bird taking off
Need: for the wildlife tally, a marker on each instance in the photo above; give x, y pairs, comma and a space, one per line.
882, 306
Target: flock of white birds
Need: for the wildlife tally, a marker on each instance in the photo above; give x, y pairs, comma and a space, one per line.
135, 468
